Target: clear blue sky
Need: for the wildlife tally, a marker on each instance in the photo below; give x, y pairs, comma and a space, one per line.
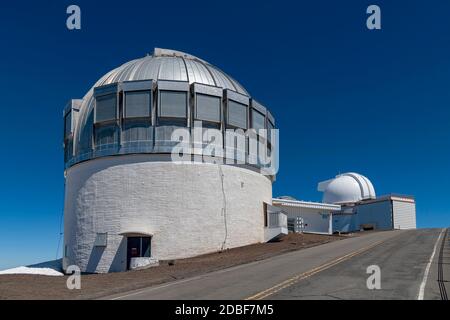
345, 98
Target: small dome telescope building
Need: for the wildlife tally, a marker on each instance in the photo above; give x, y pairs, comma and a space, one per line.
349, 187
127, 203
349, 204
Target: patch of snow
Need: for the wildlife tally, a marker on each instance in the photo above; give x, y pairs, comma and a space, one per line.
28, 270
48, 268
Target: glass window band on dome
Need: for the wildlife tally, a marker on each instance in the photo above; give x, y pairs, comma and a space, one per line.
136, 107
140, 116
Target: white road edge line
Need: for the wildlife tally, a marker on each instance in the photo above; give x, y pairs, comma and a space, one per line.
421, 294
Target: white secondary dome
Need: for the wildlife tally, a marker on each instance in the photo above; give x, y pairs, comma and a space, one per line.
347, 188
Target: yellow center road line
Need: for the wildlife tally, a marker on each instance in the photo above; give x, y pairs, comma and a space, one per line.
289, 282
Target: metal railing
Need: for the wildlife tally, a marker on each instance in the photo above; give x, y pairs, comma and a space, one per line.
161, 146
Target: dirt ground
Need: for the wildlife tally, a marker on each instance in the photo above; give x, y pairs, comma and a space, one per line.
99, 285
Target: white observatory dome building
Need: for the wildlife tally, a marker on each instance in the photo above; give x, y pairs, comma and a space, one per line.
126, 203
361, 209
347, 188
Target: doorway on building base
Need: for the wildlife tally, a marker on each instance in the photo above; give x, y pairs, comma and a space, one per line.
138, 247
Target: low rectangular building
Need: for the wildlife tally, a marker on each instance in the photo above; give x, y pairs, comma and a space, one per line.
309, 217
383, 213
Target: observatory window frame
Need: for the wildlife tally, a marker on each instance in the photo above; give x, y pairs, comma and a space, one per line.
98, 128
179, 120
141, 125
270, 127
208, 120
236, 124
68, 136
253, 112
109, 117
68, 149
137, 112
148, 115
86, 141
68, 130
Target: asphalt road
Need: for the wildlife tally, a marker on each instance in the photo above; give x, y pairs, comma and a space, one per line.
335, 270
401, 261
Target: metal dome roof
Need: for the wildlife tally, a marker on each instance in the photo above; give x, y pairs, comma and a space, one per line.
165, 64
347, 188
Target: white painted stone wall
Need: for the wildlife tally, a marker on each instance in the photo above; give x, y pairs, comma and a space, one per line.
181, 205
